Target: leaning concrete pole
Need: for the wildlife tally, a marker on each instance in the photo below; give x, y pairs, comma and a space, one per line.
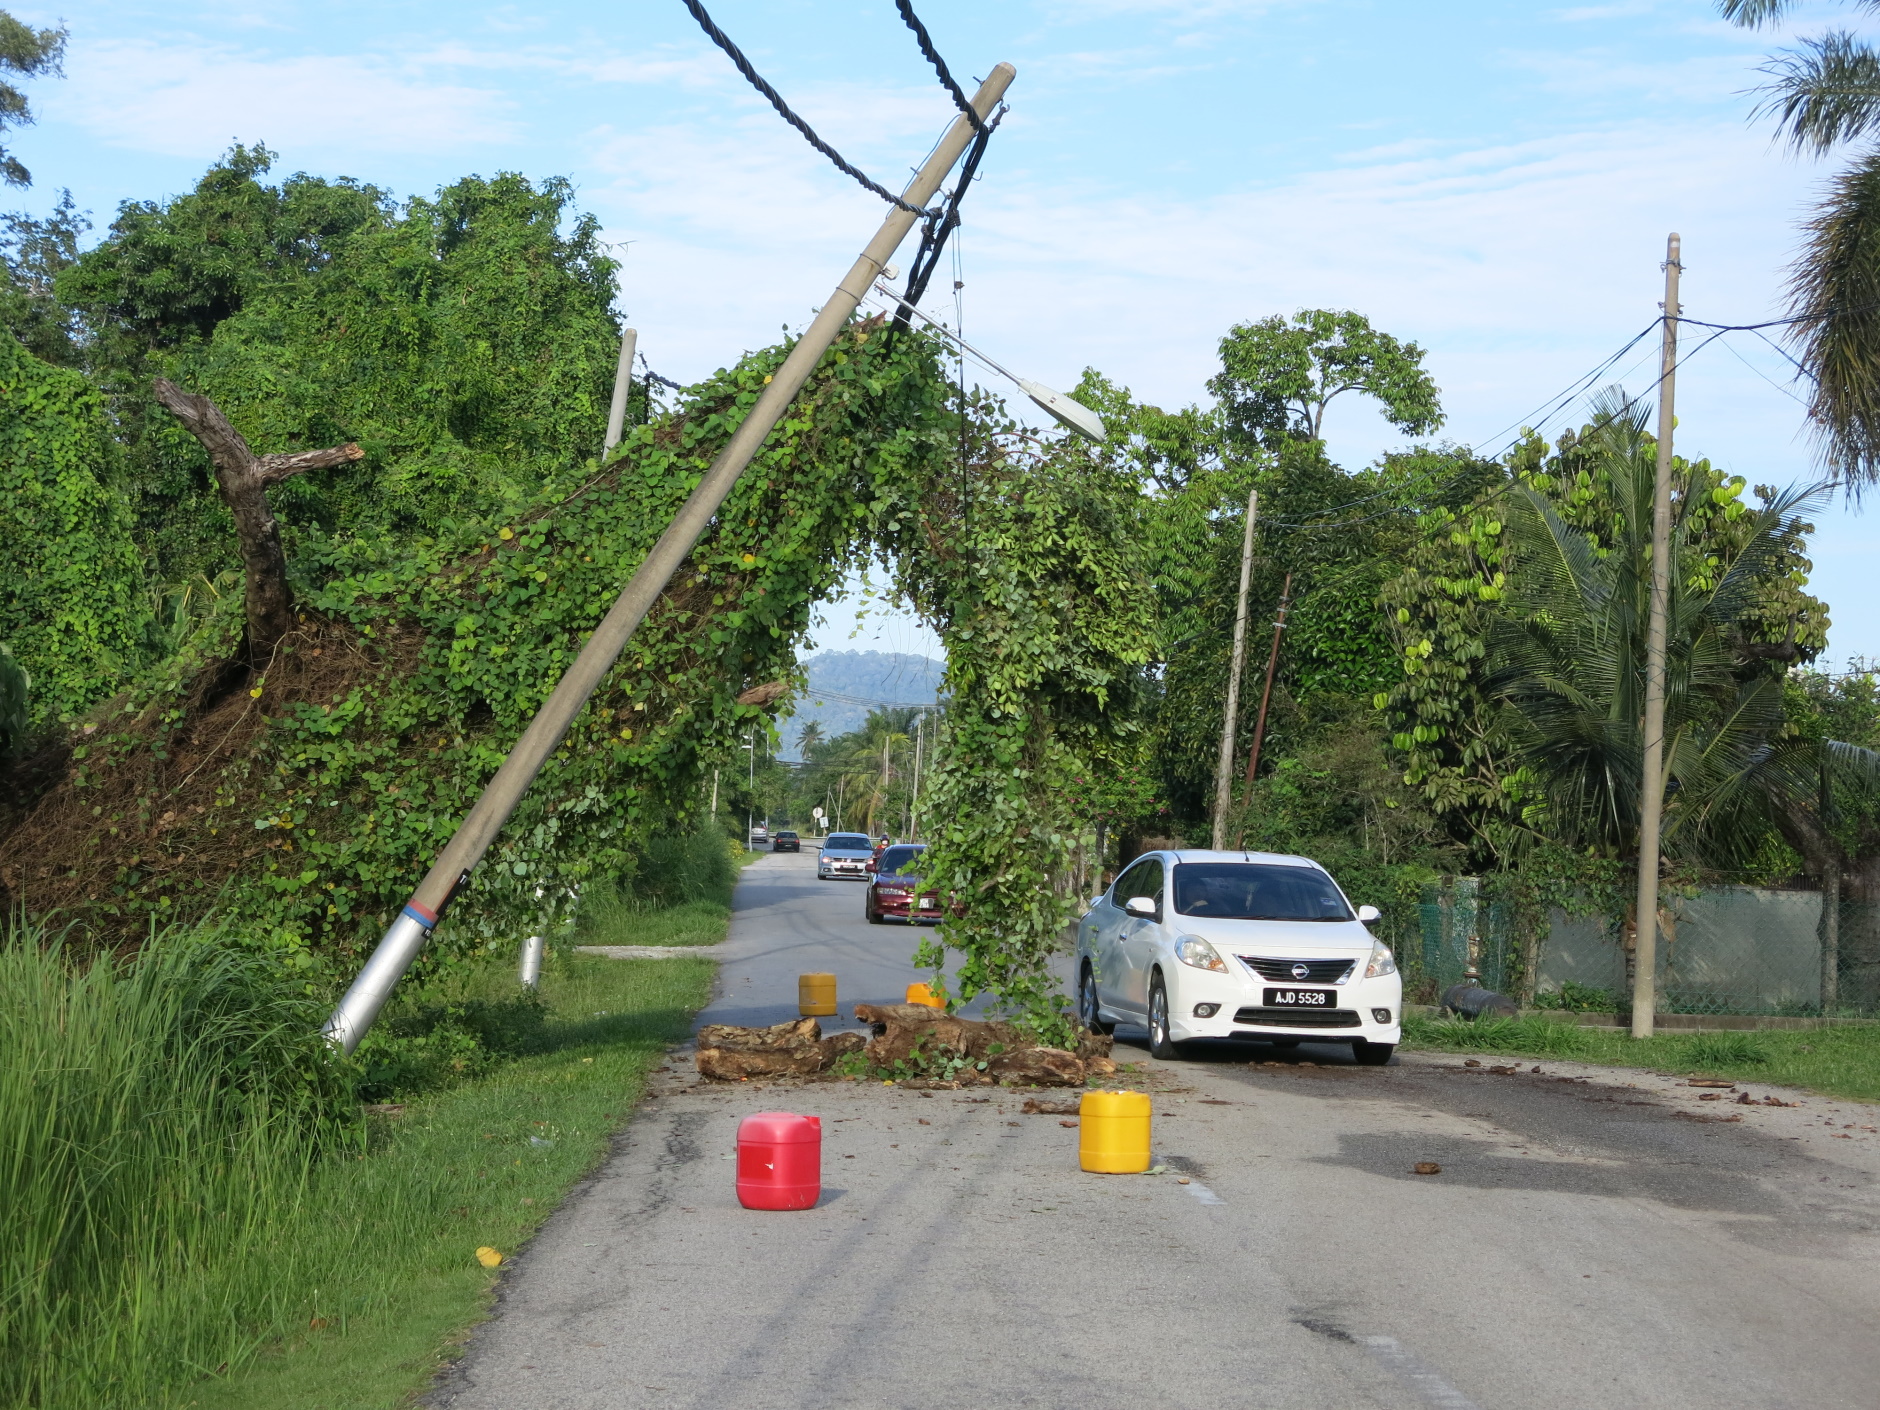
623, 378
451, 870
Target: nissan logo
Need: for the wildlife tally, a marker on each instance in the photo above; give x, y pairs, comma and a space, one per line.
1300, 971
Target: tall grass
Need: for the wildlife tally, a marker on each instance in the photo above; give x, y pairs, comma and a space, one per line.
159, 1118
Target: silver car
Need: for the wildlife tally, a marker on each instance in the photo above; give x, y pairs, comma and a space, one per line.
845, 855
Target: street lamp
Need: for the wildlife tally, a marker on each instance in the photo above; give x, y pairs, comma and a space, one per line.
1072, 415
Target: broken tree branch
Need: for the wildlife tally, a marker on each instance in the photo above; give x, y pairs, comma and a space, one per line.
243, 478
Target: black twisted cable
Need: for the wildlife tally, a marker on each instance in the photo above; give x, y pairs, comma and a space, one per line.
723, 41
925, 41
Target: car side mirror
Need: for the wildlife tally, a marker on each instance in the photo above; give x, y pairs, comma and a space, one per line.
1140, 906
1367, 914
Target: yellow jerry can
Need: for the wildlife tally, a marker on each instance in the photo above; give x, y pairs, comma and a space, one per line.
816, 995
922, 994
1113, 1132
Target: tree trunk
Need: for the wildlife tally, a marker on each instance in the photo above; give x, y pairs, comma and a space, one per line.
243, 478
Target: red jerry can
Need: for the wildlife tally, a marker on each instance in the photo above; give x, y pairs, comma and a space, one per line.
779, 1160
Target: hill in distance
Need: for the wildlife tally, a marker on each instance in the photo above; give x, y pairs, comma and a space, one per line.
876, 677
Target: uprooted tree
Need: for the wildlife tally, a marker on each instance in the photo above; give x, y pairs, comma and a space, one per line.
301, 793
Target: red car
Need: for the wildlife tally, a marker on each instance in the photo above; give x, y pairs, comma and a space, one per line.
894, 891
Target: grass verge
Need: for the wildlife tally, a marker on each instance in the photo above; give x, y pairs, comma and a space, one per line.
382, 1252
1843, 1061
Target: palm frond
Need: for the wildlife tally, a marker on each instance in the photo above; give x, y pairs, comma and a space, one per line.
1835, 300
1751, 13
1825, 93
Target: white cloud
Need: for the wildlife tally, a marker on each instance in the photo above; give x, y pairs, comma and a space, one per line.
191, 100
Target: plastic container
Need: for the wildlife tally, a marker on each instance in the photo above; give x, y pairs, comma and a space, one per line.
922, 994
779, 1160
1113, 1132
816, 995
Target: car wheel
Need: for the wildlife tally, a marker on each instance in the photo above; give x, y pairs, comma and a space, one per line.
1087, 1009
874, 916
1372, 1054
1160, 1044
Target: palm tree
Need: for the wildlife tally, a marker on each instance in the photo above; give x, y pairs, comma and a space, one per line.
1570, 655
808, 738
1826, 93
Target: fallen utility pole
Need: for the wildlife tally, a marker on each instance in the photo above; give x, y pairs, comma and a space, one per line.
403, 941
1652, 768
1224, 764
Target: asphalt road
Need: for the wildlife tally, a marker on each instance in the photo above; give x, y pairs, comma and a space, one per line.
1592, 1239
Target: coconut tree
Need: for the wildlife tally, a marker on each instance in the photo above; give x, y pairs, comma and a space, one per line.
1826, 93
1569, 653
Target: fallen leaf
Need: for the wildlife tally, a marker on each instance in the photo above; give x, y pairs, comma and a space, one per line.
1067, 1123
1470, 1062
1428, 1167
488, 1256
924, 1121
316, 1324
1181, 1179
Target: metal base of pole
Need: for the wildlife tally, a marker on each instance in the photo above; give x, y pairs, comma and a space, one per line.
361, 1005
530, 970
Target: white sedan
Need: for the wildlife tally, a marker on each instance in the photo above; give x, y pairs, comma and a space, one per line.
1193, 944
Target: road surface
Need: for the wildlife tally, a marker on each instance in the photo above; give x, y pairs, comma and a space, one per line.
1592, 1238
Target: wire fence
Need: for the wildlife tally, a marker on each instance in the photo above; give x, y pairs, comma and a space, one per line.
1721, 950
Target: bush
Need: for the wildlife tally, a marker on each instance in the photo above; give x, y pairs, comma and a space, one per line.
435, 1044
1577, 998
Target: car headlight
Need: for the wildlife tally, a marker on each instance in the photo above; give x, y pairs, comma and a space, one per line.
1199, 953
1381, 962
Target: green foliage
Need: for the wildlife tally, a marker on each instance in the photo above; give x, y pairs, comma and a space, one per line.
1542, 1037
155, 1114
465, 342
15, 716
1520, 623
73, 611
1725, 1050
1044, 608
1277, 377
32, 253
1577, 998
31, 53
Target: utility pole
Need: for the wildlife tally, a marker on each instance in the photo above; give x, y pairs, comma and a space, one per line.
1272, 665
1652, 770
451, 871
1224, 764
623, 378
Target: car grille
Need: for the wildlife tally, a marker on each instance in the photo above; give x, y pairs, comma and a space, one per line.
1317, 971
1299, 1018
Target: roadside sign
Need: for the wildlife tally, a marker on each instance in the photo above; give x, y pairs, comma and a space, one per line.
816, 813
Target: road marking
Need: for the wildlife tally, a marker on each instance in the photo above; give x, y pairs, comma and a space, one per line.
1413, 1373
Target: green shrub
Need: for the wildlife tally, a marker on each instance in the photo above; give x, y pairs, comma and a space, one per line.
434, 1044
1577, 998
1724, 1050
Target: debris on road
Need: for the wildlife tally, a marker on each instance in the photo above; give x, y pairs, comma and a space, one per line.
1428, 1167
794, 1049
1045, 1106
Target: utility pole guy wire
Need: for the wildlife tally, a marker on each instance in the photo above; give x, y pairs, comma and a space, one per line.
406, 937
1652, 769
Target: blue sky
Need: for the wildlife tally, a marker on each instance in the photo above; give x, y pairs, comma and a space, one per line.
1493, 179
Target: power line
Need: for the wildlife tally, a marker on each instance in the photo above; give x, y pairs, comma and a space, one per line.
925, 41
723, 41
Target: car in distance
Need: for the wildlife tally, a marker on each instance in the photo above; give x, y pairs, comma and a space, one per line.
760, 832
1237, 945
845, 854
895, 891
785, 840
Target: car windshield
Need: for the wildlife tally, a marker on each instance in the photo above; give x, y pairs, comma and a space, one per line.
897, 860
1252, 891
848, 842
791, 836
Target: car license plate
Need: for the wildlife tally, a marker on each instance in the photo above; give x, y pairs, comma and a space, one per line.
926, 903
1300, 999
